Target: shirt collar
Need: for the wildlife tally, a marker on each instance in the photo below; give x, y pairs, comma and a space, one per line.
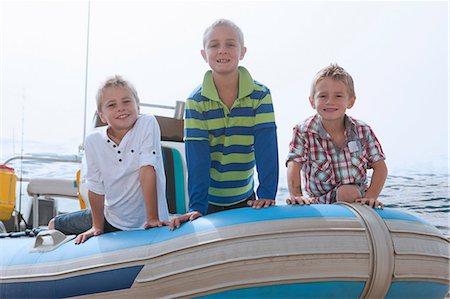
104, 131
314, 125
245, 85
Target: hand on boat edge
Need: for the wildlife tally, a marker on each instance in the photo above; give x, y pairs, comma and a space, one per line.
371, 202
155, 223
92, 232
177, 221
300, 200
261, 203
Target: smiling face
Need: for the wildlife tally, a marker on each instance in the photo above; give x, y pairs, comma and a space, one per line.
119, 109
331, 99
223, 50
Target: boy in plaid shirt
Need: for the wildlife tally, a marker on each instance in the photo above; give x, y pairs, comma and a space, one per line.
334, 150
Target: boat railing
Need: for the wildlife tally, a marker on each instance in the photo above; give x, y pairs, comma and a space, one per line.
41, 158
178, 108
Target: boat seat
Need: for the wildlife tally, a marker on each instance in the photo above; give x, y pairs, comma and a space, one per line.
49, 187
52, 187
175, 180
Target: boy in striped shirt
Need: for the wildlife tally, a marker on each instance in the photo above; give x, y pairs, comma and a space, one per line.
229, 129
334, 150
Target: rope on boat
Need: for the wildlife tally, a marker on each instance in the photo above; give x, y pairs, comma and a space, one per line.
27, 233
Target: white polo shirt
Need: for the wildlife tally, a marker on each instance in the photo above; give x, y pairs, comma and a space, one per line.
113, 171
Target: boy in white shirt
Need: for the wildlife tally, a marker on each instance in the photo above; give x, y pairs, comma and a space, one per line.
125, 171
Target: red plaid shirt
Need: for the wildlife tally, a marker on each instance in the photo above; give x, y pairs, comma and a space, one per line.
326, 166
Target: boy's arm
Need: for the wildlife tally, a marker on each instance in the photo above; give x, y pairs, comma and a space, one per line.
294, 182
147, 178
294, 178
379, 176
97, 203
198, 161
198, 156
266, 156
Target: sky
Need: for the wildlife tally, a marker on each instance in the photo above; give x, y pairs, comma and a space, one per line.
397, 53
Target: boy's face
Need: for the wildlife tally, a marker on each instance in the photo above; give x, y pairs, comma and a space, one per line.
223, 50
118, 108
331, 99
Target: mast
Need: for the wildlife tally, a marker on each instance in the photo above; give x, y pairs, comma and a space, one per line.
86, 76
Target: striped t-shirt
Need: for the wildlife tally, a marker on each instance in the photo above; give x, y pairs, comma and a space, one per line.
223, 146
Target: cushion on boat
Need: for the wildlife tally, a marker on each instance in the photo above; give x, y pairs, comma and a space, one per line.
175, 180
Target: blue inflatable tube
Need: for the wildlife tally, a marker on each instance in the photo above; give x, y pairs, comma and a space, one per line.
317, 251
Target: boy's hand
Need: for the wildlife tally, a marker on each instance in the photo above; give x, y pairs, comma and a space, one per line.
155, 223
261, 203
92, 232
371, 202
176, 222
300, 200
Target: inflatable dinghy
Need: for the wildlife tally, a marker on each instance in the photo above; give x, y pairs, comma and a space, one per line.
316, 251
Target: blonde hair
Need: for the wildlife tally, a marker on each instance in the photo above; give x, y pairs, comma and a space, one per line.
335, 72
116, 81
223, 22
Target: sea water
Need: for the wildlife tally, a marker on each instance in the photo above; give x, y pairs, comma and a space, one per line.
425, 195
422, 193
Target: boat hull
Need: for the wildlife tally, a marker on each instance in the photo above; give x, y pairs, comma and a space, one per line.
315, 251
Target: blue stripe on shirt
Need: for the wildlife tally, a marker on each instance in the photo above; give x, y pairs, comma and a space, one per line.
214, 114
259, 94
233, 149
236, 112
191, 113
264, 108
232, 131
232, 166
242, 111
195, 133
196, 94
219, 113
230, 184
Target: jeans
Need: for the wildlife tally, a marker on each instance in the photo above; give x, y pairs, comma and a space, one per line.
78, 222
